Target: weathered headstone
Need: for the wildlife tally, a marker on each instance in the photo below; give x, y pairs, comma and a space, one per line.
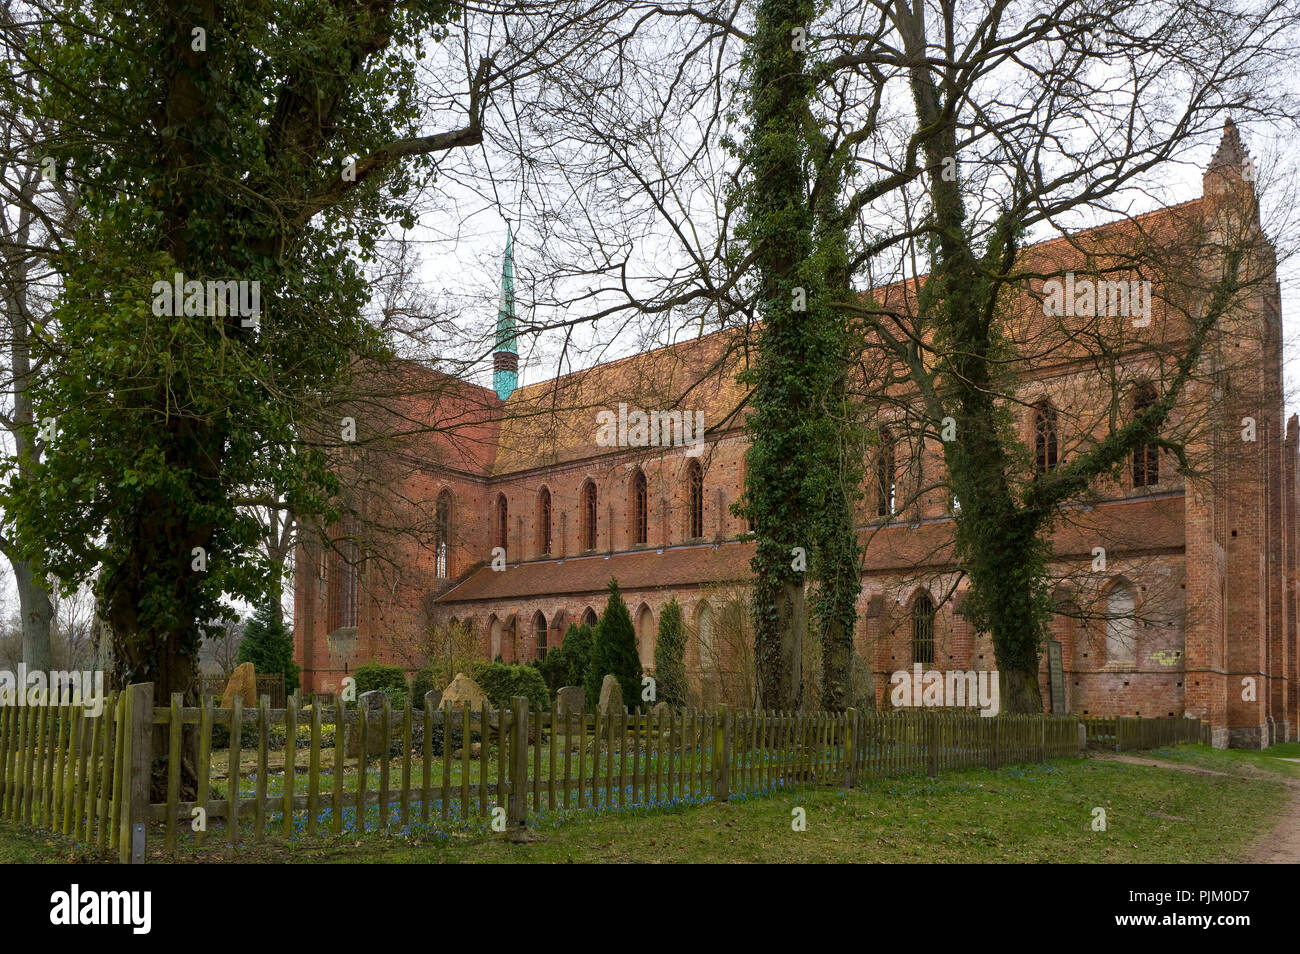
244, 682
376, 744
611, 696
571, 699
433, 699
464, 691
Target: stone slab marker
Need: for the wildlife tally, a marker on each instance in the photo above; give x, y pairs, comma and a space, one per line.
464, 691
376, 744
571, 699
611, 696
243, 681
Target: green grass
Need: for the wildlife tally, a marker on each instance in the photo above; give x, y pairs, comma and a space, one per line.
1228, 760
1017, 814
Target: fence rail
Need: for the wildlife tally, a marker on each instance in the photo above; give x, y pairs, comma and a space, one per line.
261, 771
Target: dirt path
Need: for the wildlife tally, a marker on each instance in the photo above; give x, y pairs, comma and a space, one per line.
1281, 846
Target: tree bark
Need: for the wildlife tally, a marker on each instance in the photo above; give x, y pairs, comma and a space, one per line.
37, 614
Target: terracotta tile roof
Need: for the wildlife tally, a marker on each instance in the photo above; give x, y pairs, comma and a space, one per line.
672, 567
555, 421
1161, 527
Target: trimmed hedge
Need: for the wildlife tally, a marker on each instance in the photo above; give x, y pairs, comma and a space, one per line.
374, 676
503, 681
424, 680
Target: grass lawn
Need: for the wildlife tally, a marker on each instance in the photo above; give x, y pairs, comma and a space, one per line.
1020, 814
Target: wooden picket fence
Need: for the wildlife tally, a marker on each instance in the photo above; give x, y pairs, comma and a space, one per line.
61, 769
1129, 733
90, 778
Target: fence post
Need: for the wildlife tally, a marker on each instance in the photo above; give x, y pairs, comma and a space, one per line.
851, 747
932, 743
518, 801
137, 760
722, 756
1042, 738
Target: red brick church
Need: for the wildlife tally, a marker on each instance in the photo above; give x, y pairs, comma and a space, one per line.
1190, 609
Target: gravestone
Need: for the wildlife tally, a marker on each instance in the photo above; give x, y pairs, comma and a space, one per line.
376, 744
611, 696
571, 699
244, 683
464, 691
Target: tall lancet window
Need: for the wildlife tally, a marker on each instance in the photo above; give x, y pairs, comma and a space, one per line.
503, 522
544, 522
1045, 443
923, 629
344, 568
1146, 457
694, 500
588, 528
640, 506
442, 536
886, 475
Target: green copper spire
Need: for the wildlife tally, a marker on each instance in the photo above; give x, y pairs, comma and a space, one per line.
505, 362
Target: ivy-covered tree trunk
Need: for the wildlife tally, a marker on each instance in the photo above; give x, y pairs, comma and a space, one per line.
1000, 546
802, 476
835, 485
1003, 535
778, 228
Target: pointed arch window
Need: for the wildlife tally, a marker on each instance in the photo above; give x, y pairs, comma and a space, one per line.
694, 500
589, 617
1146, 457
442, 536
494, 637
502, 522
704, 629
539, 623
640, 506
886, 476
544, 522
1046, 449
588, 522
923, 629
1120, 645
751, 524
341, 593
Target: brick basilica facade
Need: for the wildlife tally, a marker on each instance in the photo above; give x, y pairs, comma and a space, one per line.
1192, 608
